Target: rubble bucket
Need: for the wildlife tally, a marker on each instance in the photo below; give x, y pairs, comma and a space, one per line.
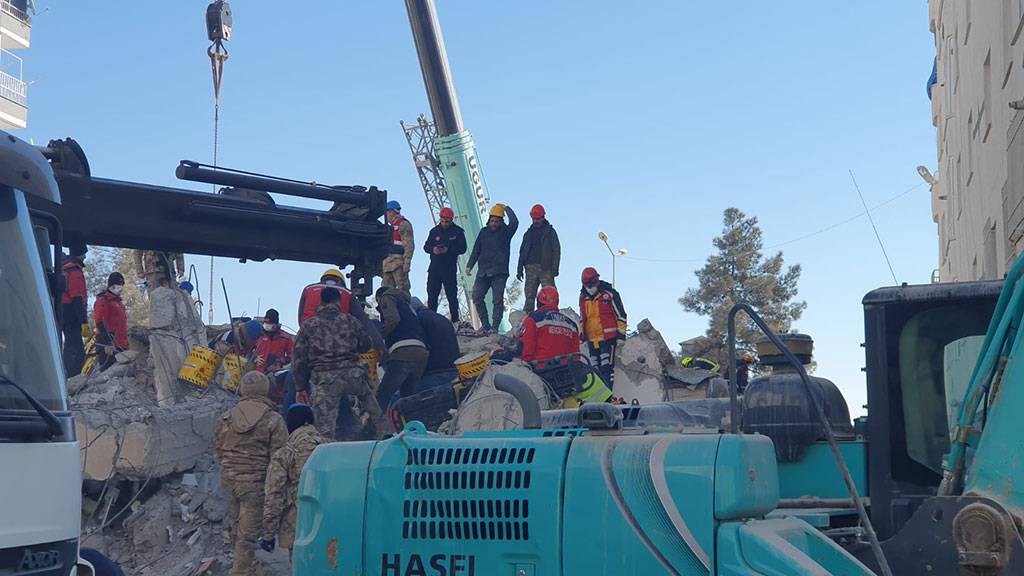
231, 374
370, 359
200, 366
472, 365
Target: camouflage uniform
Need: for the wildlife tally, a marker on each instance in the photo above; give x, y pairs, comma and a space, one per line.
395, 275
283, 484
326, 363
246, 437
156, 266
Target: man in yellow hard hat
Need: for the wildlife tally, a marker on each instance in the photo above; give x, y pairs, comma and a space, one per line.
491, 252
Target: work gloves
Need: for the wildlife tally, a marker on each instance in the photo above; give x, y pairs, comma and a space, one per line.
267, 543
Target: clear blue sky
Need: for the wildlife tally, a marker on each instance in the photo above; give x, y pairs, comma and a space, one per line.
644, 119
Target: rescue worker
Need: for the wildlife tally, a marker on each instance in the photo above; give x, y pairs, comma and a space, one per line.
111, 319
491, 251
326, 367
702, 363
157, 268
282, 487
539, 256
348, 303
74, 317
439, 336
274, 347
397, 264
603, 321
445, 243
407, 352
547, 333
246, 437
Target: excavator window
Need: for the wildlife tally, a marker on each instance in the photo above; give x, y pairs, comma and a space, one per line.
937, 351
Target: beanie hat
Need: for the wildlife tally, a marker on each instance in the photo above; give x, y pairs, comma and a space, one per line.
255, 383
272, 316
298, 415
115, 278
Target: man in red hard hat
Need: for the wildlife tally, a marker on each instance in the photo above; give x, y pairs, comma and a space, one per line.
547, 333
445, 243
603, 322
539, 256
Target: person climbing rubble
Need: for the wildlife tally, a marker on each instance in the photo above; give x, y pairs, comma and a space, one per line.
246, 438
440, 338
74, 317
111, 319
326, 367
407, 351
491, 252
603, 320
282, 486
539, 256
397, 264
174, 328
157, 268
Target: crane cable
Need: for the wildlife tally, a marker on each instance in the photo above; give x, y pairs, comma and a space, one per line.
218, 30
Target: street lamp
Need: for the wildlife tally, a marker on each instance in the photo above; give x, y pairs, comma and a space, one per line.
620, 252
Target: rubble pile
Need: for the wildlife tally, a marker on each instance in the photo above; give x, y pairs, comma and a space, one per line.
152, 499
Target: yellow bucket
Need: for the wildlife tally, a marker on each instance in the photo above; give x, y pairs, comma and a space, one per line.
370, 359
473, 365
200, 366
231, 375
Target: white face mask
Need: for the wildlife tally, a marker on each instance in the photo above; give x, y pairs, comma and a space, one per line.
116, 288
268, 327
591, 290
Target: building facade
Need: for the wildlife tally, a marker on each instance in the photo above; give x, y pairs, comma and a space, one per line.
977, 99
15, 34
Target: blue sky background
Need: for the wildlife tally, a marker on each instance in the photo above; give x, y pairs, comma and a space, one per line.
643, 119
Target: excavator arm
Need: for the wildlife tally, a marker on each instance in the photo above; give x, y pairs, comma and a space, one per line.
241, 221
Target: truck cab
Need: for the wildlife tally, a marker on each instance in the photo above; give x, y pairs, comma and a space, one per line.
41, 478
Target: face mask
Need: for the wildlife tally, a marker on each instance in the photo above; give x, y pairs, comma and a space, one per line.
116, 288
268, 327
591, 290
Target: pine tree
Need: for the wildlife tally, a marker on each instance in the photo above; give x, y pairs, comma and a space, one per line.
739, 273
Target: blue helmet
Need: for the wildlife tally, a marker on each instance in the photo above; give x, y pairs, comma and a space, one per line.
394, 205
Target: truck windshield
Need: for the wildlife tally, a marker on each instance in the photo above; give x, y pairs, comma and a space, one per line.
28, 336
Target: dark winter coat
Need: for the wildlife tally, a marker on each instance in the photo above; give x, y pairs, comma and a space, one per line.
540, 246
492, 247
440, 337
453, 238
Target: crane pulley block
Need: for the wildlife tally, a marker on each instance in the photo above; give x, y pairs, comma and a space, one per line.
218, 21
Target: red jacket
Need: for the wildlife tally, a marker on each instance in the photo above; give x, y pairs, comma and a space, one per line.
547, 333
279, 345
610, 320
310, 301
74, 298
110, 316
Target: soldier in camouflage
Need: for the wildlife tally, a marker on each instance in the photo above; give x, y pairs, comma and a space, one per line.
283, 478
157, 268
325, 363
246, 437
397, 264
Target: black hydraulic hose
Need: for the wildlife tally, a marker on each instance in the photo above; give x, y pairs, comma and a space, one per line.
524, 395
862, 512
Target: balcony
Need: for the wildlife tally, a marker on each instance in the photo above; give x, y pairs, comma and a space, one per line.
13, 92
15, 24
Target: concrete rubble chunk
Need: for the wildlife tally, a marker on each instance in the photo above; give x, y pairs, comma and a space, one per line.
487, 408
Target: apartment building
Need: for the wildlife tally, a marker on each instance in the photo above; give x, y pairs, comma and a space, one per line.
15, 34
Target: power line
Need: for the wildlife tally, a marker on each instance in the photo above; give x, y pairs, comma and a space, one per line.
817, 232
875, 228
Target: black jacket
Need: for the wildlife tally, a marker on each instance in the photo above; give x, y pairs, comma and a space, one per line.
540, 246
439, 334
492, 247
453, 238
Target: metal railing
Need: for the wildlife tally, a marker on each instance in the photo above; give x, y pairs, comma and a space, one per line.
12, 87
9, 7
